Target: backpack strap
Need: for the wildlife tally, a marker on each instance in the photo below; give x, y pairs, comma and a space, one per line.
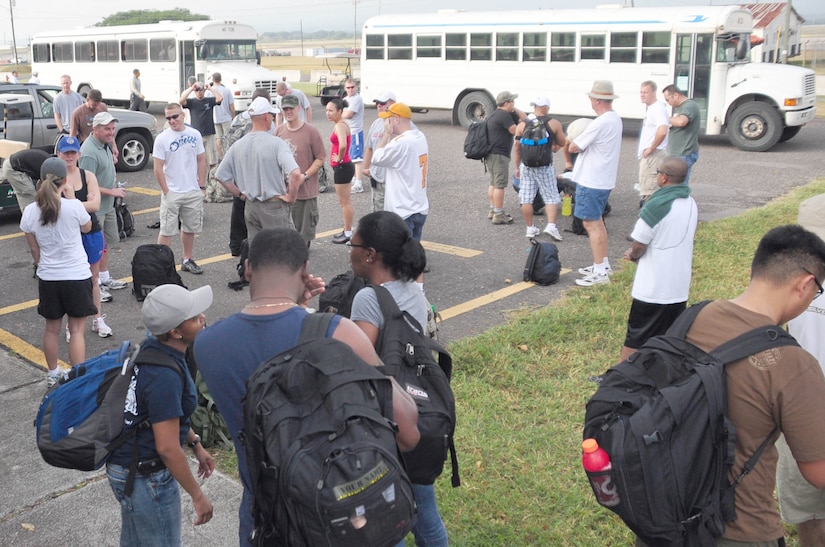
682, 325
753, 342
316, 325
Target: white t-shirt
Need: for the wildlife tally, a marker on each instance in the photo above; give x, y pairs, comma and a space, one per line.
221, 112
601, 143
664, 271
179, 151
809, 330
62, 257
356, 105
405, 161
655, 117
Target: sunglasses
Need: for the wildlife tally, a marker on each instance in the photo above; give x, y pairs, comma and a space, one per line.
349, 87
170, 118
820, 290
658, 172
351, 246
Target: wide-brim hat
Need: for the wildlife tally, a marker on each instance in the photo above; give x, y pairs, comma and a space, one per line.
602, 89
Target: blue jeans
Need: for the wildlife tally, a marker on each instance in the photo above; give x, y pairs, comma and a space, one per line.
429, 531
690, 159
415, 222
152, 514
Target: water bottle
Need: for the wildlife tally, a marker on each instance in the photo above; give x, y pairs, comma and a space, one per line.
596, 463
566, 205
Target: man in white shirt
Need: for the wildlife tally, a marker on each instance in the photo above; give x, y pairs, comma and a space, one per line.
223, 112
354, 116
652, 140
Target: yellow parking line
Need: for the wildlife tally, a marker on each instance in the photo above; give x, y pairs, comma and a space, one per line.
12, 236
19, 307
144, 211
26, 350
428, 245
144, 191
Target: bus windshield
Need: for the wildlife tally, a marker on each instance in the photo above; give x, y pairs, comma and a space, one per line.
733, 48
227, 50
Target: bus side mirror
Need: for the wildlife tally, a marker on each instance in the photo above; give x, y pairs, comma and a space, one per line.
743, 50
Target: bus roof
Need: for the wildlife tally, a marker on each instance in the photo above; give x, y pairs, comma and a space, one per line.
195, 27
726, 18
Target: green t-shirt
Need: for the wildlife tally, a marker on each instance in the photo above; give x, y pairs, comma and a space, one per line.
683, 141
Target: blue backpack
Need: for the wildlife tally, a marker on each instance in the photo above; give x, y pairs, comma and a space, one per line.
80, 420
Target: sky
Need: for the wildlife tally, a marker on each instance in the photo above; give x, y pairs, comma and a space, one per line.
32, 16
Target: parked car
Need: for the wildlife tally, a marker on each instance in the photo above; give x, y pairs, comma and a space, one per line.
135, 134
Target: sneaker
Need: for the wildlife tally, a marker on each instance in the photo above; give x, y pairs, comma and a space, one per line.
56, 377
101, 328
357, 187
589, 270
340, 239
490, 214
532, 231
191, 266
113, 284
502, 218
593, 279
552, 231
105, 296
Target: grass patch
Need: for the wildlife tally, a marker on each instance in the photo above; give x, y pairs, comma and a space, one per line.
521, 390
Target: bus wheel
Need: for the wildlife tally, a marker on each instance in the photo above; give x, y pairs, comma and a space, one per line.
84, 90
474, 107
134, 152
789, 132
755, 127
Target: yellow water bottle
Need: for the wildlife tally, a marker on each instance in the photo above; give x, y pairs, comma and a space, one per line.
567, 205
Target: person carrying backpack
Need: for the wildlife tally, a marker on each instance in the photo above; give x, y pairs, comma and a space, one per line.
774, 391
383, 252
150, 499
280, 286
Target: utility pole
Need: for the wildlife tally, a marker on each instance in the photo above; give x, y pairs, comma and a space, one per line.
354, 24
13, 38
786, 39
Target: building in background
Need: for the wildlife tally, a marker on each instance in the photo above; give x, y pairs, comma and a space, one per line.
769, 27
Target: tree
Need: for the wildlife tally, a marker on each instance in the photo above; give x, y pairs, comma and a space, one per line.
142, 17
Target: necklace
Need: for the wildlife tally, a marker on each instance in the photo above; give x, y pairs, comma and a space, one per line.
275, 305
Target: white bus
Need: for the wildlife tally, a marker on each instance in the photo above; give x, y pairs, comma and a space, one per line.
167, 54
460, 60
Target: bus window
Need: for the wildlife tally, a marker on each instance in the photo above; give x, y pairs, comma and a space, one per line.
133, 50
428, 46
62, 52
623, 46
161, 49
655, 47
399, 46
84, 52
563, 46
107, 51
592, 47
375, 46
481, 47
534, 47
41, 53
507, 46
456, 47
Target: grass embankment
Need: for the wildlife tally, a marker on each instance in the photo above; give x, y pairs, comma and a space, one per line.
521, 390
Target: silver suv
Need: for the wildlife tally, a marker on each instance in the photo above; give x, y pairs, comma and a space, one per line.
135, 134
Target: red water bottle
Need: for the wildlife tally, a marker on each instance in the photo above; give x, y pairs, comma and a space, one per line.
596, 463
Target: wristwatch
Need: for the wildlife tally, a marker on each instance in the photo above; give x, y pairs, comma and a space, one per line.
194, 443
306, 177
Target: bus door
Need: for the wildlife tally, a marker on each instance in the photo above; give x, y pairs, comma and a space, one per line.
187, 62
694, 53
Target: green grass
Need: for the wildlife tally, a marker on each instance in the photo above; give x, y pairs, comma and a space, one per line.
521, 390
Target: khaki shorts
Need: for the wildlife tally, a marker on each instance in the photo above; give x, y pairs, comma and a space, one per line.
799, 501
186, 208
23, 185
305, 217
211, 150
647, 173
499, 167
111, 234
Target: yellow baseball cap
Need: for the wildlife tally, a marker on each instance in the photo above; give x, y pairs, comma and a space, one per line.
398, 109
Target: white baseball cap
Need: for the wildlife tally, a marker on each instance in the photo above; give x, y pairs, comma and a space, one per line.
261, 106
540, 101
385, 96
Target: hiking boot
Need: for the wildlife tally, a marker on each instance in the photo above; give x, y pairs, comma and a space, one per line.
490, 214
589, 270
357, 187
552, 231
340, 239
502, 218
532, 232
191, 266
101, 328
593, 279
113, 284
105, 296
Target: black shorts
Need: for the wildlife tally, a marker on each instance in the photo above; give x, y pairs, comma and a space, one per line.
343, 173
648, 320
72, 298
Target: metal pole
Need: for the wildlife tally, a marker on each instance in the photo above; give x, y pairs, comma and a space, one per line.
13, 38
787, 36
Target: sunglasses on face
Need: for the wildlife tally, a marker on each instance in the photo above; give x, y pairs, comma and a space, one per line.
170, 118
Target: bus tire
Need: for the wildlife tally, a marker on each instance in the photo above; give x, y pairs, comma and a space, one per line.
755, 127
84, 90
790, 132
133, 151
474, 107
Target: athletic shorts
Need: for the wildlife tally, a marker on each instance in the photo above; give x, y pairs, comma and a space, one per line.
590, 202
356, 150
186, 208
93, 244
648, 320
59, 298
343, 173
499, 167
540, 180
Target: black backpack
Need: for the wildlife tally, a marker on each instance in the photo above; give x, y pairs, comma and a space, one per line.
423, 369
543, 265
339, 293
152, 265
536, 146
321, 449
125, 219
661, 416
477, 144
